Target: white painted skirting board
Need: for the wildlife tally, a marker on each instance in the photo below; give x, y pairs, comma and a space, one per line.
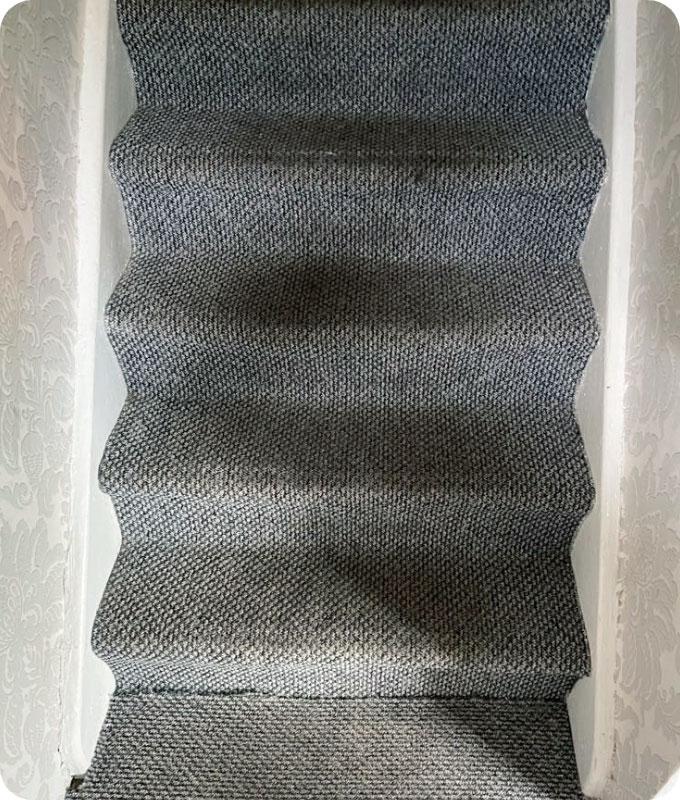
82, 551
106, 103
599, 403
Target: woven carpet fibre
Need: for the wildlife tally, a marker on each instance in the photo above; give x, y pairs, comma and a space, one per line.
348, 472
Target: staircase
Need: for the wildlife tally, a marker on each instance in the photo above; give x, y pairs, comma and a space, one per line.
348, 472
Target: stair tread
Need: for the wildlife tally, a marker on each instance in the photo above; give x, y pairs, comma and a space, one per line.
247, 748
211, 297
189, 328
267, 613
427, 59
550, 152
507, 452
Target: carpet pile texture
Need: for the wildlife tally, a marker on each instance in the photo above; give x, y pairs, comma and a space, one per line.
348, 472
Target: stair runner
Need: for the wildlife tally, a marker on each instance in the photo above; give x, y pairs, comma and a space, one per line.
348, 471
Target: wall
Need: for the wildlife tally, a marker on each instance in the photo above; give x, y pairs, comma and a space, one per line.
40, 52
647, 711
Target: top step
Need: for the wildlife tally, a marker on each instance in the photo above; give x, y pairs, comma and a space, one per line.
461, 58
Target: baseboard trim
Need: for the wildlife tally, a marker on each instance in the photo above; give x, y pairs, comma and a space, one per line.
600, 403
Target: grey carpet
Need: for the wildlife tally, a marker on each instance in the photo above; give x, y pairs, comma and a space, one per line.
352, 328
278, 749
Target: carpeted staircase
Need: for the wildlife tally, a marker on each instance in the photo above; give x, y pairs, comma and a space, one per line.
348, 472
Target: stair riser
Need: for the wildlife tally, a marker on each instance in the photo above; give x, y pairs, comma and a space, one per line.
381, 368
484, 526
418, 619
281, 215
348, 679
551, 152
408, 59
517, 455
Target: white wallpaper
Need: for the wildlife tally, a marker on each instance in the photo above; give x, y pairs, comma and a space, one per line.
647, 726
39, 83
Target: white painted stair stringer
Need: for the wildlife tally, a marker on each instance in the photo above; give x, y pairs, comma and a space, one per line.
606, 256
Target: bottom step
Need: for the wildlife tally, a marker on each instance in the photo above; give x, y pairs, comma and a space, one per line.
254, 747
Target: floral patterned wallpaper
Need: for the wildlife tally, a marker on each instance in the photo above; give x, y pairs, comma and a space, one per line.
647, 725
39, 85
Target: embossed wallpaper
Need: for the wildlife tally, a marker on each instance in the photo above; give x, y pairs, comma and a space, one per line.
39, 84
647, 727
